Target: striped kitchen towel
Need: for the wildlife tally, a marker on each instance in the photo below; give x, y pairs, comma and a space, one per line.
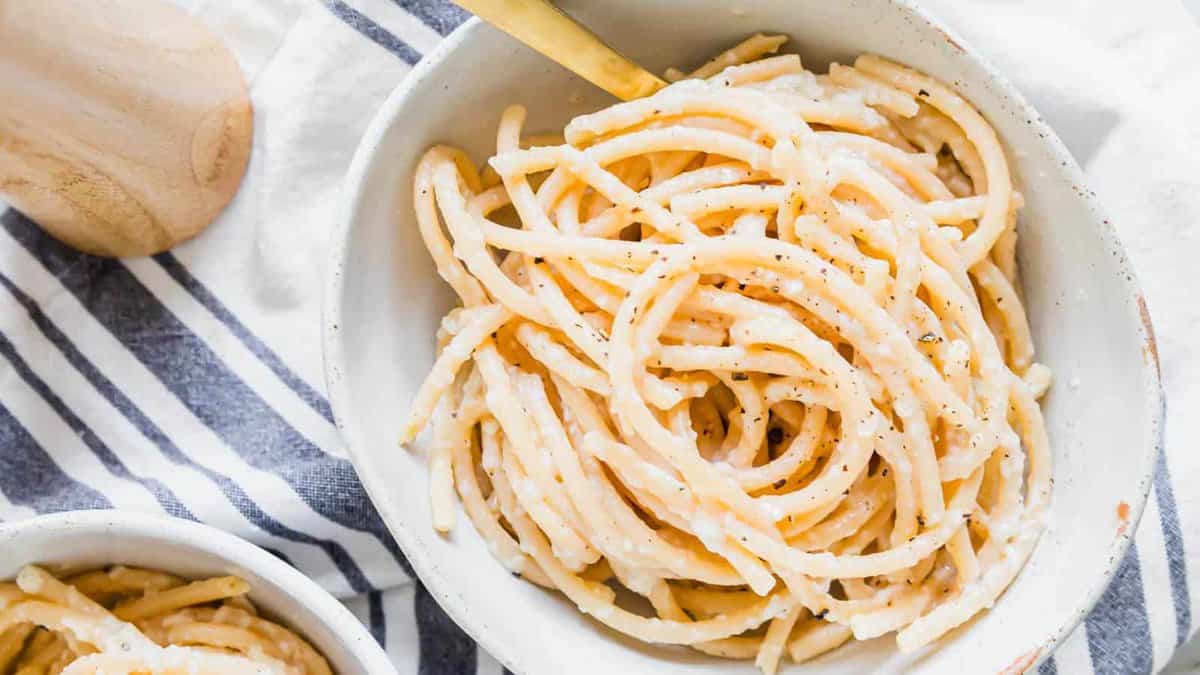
190, 383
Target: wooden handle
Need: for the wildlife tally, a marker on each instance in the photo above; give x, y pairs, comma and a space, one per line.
125, 125
545, 28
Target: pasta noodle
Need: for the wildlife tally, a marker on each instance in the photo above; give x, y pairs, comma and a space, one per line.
130, 620
755, 351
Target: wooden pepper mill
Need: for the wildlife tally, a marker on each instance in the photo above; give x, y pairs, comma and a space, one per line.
125, 125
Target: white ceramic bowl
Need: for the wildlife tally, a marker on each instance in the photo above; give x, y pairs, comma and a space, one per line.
80, 540
384, 301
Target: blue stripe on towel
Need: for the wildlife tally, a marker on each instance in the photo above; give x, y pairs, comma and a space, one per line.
278, 554
373, 31
440, 15
29, 477
162, 493
233, 493
205, 384
1173, 541
206, 297
445, 648
1118, 629
376, 618
1048, 666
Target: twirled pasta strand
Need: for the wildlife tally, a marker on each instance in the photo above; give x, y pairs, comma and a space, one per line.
756, 350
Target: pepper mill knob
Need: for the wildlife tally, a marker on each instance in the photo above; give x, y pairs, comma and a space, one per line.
125, 125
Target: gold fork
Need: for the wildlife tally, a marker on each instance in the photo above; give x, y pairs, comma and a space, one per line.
544, 27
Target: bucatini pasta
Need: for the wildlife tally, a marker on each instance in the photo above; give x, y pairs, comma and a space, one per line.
129, 620
751, 347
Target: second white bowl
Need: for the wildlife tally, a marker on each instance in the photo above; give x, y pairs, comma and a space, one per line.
81, 540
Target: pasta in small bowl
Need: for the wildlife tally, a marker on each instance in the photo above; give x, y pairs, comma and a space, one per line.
753, 373
117, 592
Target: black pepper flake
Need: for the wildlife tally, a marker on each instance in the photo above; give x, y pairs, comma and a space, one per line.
821, 614
775, 436
778, 256
924, 93
739, 377
779, 483
921, 521
539, 260
741, 287
928, 337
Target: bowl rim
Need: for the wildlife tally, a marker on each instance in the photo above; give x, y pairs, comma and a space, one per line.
337, 384
336, 617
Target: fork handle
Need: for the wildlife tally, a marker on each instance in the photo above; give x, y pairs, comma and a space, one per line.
544, 27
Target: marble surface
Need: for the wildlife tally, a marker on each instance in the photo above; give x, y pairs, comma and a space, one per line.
1187, 659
